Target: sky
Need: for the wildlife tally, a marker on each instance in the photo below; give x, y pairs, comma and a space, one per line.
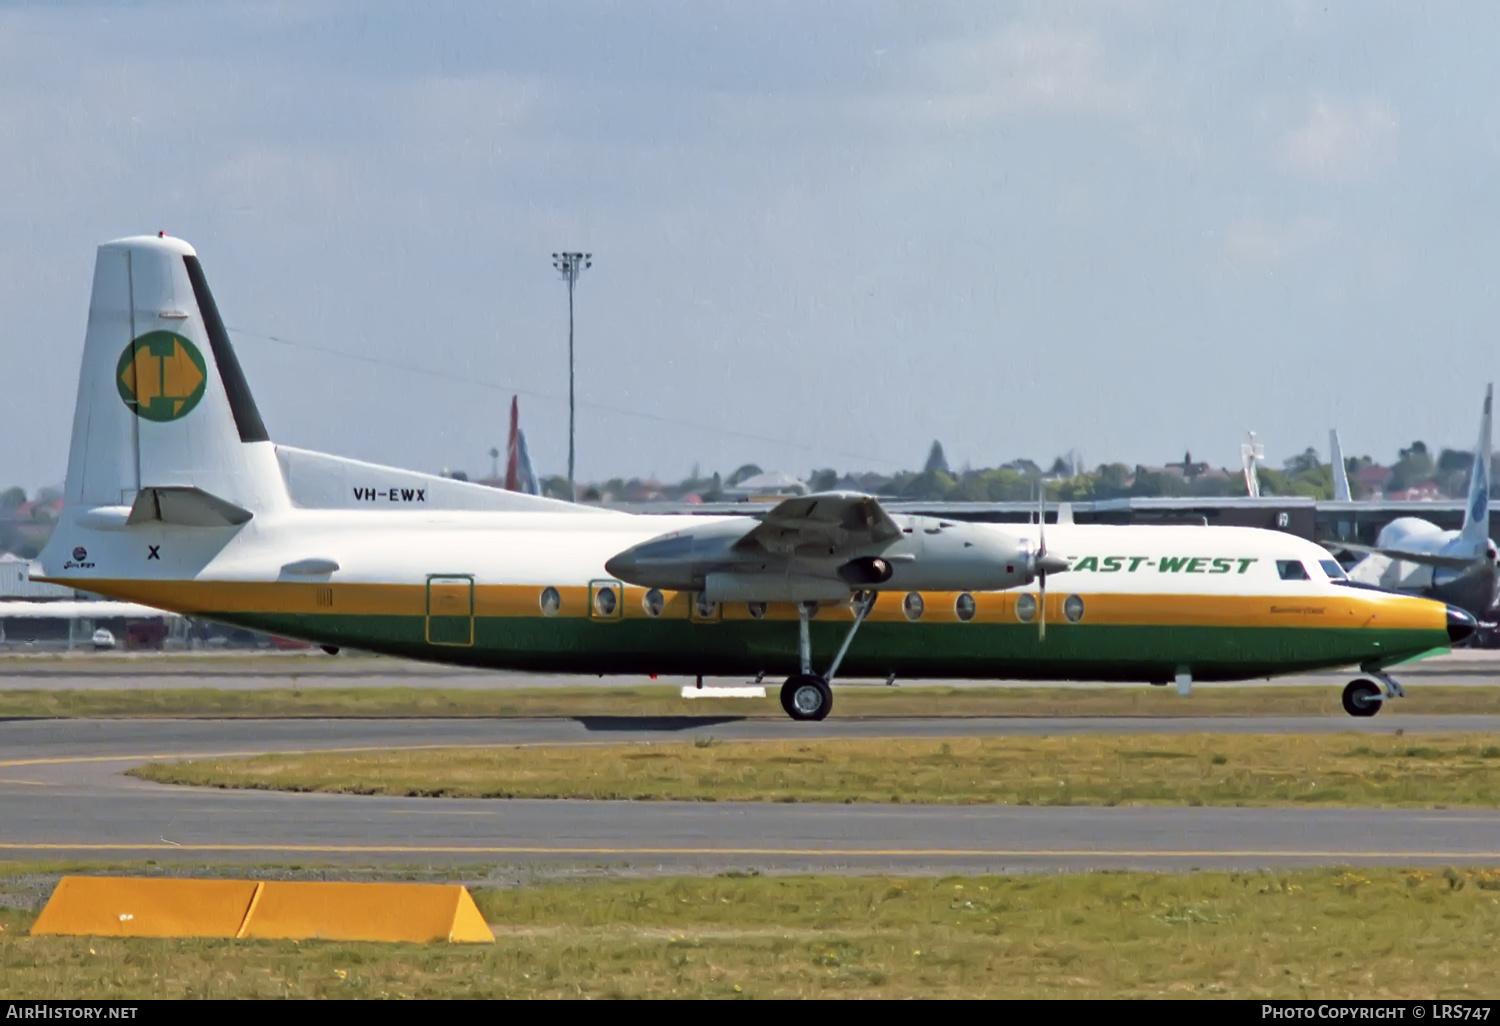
823, 234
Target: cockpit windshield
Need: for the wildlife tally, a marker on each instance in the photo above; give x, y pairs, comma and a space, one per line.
1332, 569
1291, 570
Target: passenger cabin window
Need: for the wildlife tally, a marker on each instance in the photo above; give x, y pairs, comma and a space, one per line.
1291, 570
1332, 569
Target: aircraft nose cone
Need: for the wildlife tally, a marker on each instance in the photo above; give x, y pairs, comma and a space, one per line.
1460, 625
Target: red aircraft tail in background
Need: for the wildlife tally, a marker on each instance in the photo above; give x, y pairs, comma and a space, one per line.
518, 474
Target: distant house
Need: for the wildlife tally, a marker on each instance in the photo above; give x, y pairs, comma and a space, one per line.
1372, 478
772, 484
1187, 469
1427, 491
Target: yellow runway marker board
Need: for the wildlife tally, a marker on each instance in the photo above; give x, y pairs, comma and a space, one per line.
101, 906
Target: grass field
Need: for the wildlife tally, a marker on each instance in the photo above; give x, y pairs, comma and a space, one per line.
1367, 933
572, 700
1193, 769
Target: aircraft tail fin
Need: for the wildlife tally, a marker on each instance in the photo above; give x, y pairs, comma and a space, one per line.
163, 406
1340, 472
528, 482
518, 474
1475, 534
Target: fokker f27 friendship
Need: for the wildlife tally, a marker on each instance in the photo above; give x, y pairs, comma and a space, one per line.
177, 498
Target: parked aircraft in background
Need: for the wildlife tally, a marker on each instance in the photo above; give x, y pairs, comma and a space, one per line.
1417, 557
519, 476
1341, 491
177, 498
1252, 453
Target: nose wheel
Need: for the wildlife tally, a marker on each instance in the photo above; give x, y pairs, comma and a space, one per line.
806, 696
1362, 698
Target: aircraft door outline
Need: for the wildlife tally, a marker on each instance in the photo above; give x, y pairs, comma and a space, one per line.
450, 610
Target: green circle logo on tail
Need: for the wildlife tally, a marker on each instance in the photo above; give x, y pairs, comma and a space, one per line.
161, 376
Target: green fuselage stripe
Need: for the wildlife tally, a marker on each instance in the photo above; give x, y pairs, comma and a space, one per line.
939, 650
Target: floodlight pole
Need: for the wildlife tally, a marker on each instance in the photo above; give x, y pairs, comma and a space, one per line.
570, 266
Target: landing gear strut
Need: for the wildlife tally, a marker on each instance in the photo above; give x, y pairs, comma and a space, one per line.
807, 695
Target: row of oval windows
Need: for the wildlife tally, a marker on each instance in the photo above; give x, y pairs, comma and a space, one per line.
654, 602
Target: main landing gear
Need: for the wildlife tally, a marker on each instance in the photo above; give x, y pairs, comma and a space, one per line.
807, 695
1365, 697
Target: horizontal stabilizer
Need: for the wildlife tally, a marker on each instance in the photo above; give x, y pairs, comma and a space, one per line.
185, 507
1423, 558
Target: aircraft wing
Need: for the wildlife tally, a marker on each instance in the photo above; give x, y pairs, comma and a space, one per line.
1424, 558
824, 524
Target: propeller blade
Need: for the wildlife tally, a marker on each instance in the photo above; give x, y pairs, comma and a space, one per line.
1041, 520
1041, 561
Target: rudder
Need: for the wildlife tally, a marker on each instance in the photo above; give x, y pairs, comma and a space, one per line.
162, 401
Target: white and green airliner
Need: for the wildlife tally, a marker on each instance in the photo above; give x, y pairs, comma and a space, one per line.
177, 498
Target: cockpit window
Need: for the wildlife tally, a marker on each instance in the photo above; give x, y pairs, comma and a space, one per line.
1332, 569
1291, 570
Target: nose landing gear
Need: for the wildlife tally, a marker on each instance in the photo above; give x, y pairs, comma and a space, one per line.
1365, 697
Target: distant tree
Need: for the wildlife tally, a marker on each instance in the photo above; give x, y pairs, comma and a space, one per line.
1078, 488
1303, 463
930, 485
555, 487
12, 498
1113, 481
1316, 483
999, 485
1414, 467
824, 480
1061, 467
936, 461
1453, 469
1455, 460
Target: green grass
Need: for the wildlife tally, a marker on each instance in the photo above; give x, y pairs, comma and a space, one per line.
1337, 933
1193, 769
572, 700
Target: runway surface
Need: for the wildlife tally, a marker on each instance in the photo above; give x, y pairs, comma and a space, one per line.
63, 795
238, 671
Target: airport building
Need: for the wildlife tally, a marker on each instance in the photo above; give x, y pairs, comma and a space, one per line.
35, 616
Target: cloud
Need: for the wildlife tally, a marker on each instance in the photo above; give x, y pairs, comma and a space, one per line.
1340, 142
1256, 241
1027, 68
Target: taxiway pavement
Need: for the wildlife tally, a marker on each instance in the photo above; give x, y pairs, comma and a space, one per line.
63, 795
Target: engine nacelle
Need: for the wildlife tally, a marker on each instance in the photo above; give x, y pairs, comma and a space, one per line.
930, 555
866, 571
732, 587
